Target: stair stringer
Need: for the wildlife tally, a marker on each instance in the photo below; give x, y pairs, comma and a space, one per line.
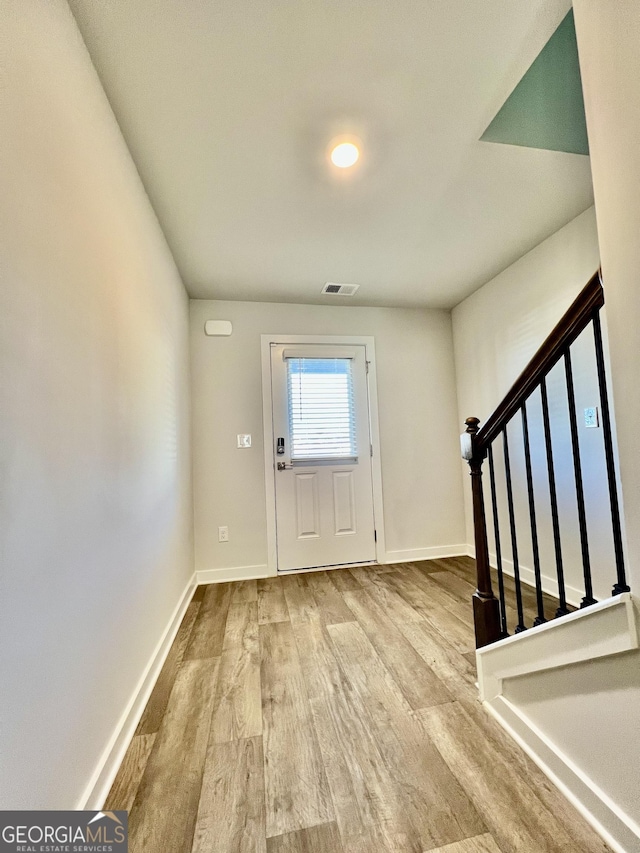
604, 630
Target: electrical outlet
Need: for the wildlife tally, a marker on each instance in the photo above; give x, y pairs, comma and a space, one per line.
223, 534
591, 417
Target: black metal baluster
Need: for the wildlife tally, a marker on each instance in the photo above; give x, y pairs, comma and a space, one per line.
621, 585
496, 530
582, 517
540, 618
514, 542
562, 610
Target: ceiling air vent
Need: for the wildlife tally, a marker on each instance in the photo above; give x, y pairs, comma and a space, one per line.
340, 289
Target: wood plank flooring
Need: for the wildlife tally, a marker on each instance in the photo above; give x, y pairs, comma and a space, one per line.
335, 712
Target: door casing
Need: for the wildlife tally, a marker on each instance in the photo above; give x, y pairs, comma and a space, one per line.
267, 419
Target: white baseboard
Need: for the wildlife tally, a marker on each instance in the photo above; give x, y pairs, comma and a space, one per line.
105, 772
238, 573
242, 573
549, 584
416, 554
616, 828
245, 573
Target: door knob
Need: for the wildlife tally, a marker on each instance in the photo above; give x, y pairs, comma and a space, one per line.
282, 466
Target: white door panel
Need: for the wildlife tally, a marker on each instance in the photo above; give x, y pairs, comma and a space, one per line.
344, 502
307, 504
322, 460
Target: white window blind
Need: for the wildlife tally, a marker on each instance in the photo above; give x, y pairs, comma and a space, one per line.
321, 408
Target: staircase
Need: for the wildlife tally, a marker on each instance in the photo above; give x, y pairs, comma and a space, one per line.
567, 685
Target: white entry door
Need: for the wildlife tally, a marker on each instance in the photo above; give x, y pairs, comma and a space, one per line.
322, 456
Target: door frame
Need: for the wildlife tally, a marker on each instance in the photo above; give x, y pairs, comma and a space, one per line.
267, 420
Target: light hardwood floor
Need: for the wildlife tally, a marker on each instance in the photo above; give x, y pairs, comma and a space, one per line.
334, 712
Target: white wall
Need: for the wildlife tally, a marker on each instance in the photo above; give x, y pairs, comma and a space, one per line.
95, 536
608, 34
496, 331
499, 327
419, 448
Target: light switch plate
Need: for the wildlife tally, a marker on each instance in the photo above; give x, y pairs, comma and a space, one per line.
591, 420
244, 441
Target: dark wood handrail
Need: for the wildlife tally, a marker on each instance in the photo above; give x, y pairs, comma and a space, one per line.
490, 621
576, 319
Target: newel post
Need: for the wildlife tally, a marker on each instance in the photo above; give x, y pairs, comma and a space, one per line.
486, 608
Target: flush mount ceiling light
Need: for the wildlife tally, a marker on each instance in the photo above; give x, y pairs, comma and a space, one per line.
344, 154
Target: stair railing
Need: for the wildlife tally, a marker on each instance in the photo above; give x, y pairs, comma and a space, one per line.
490, 613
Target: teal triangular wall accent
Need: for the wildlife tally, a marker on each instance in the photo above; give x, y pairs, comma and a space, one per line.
546, 109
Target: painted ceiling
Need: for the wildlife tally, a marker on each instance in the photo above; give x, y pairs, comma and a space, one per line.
228, 107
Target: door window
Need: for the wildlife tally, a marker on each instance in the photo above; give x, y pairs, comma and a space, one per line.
321, 409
